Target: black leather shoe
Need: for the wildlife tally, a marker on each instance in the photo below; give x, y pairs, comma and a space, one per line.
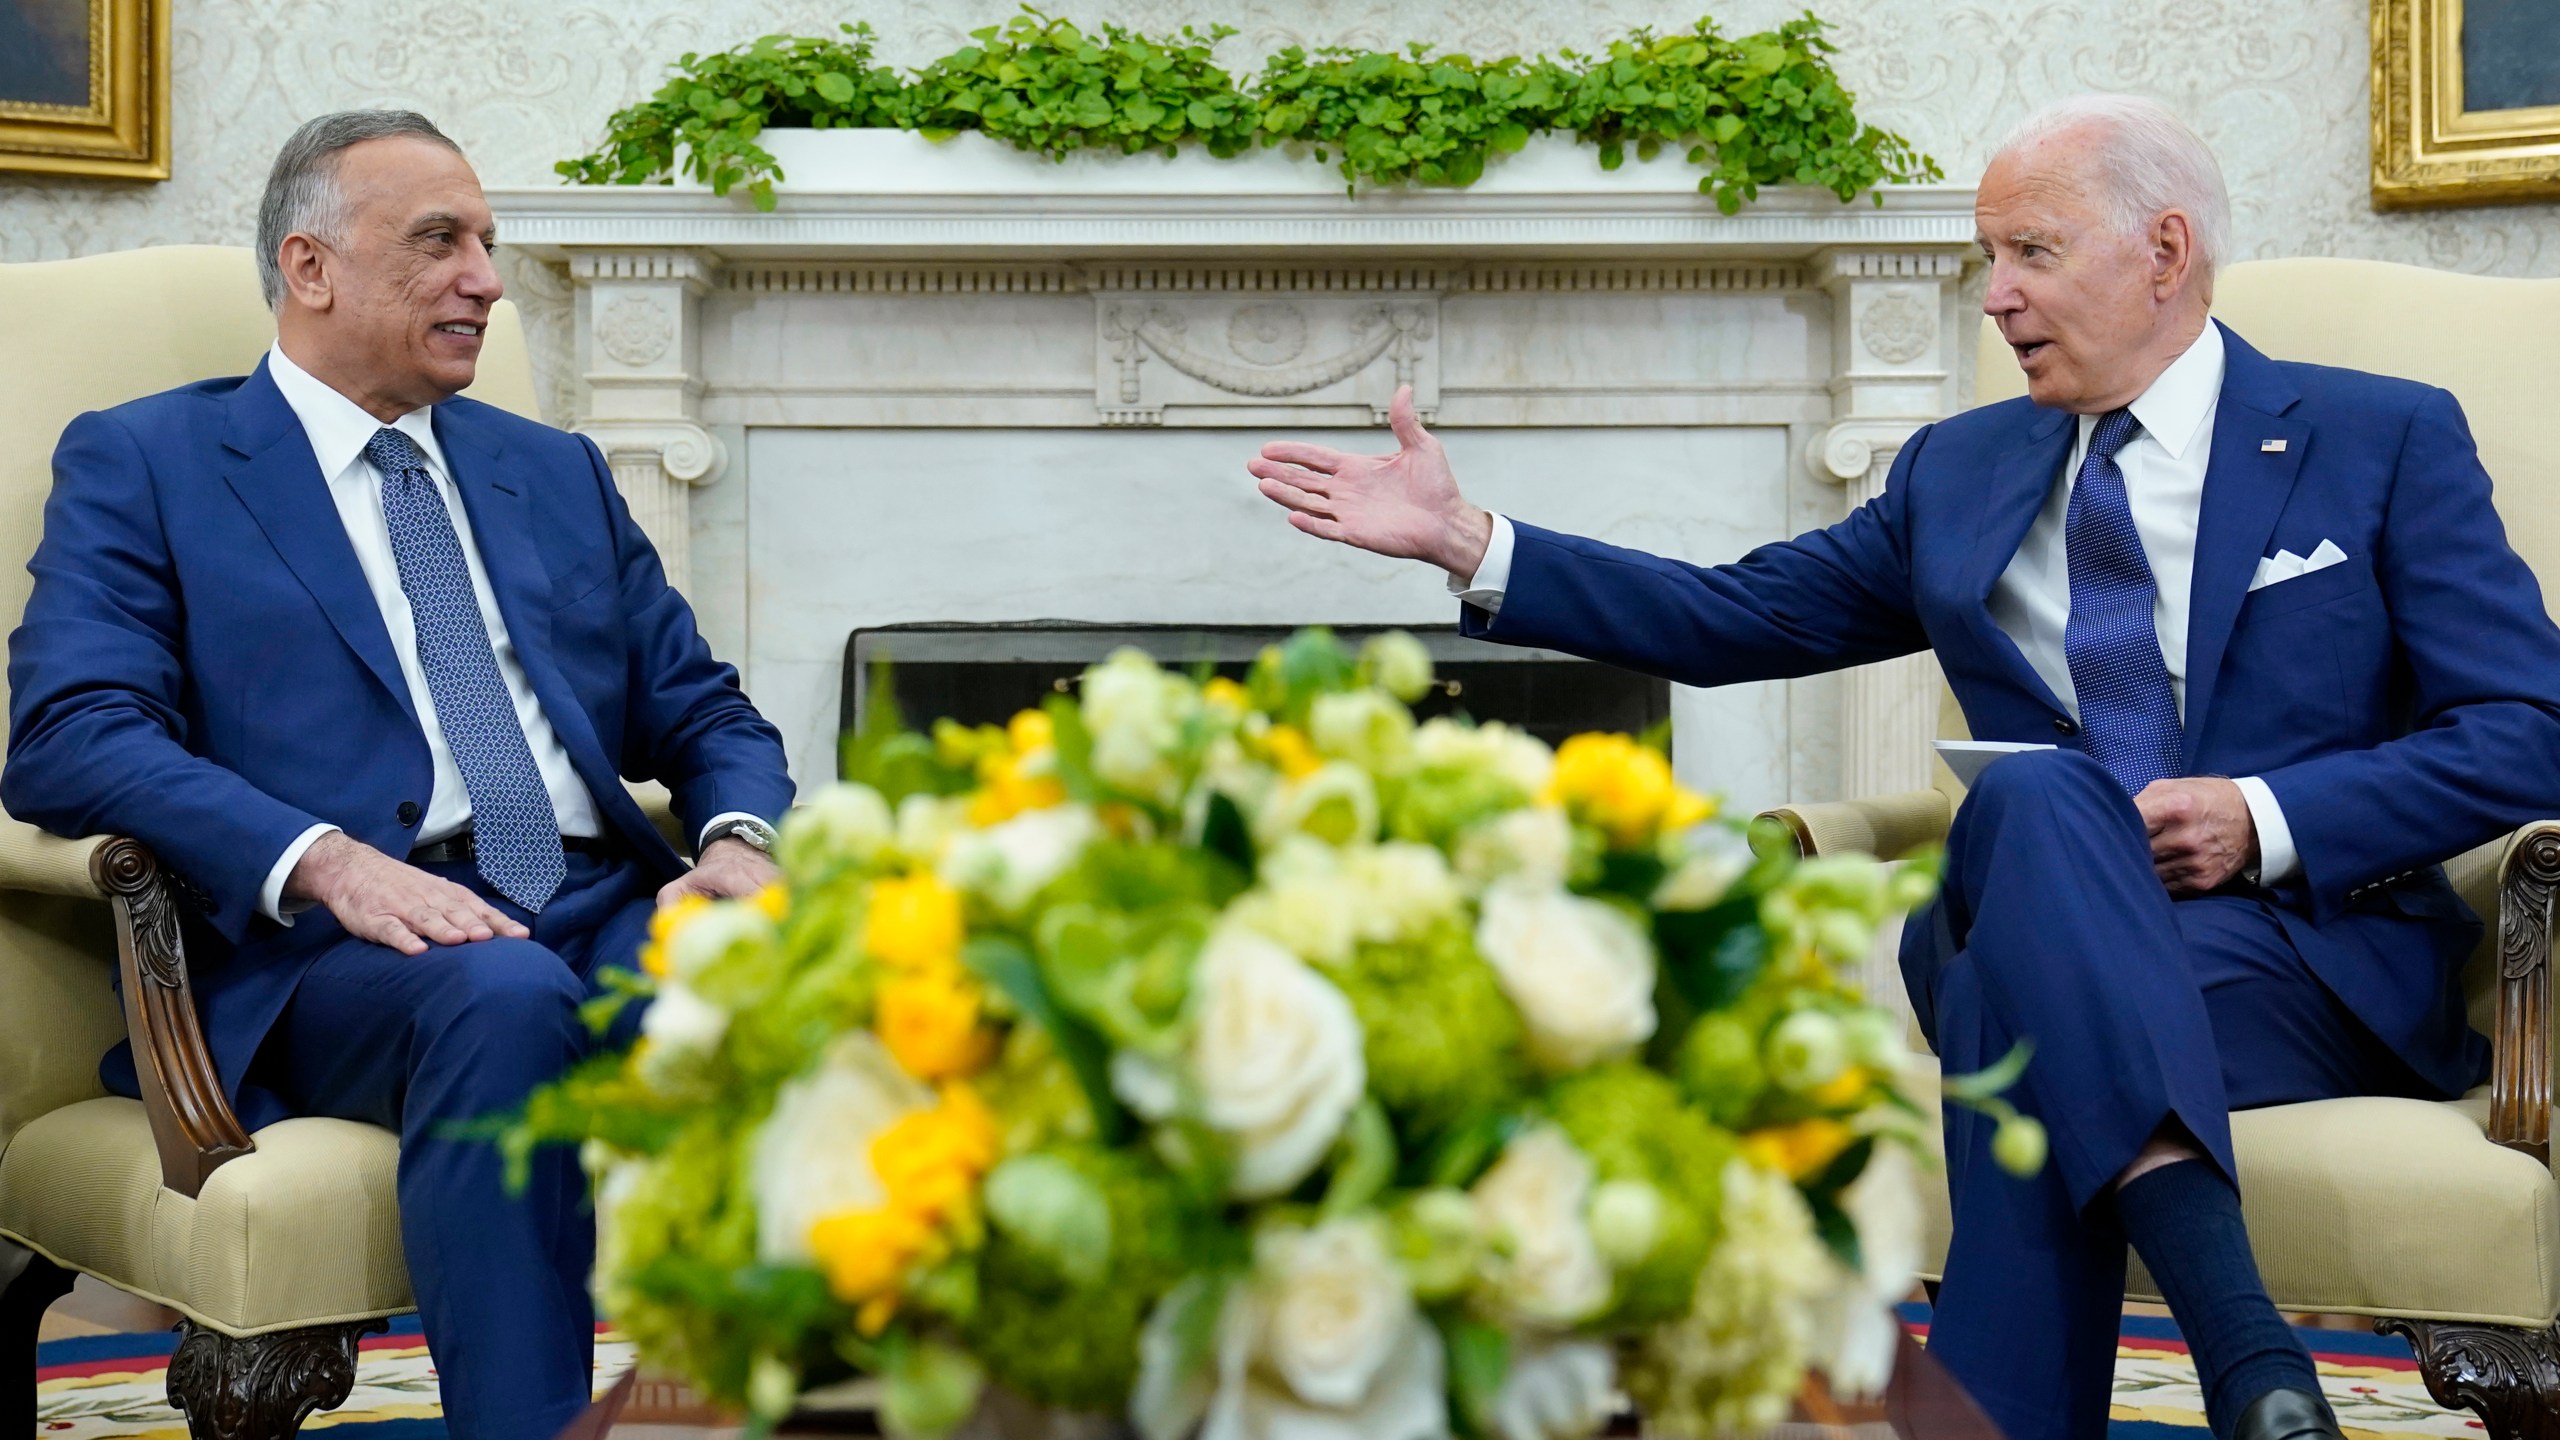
2286, 1415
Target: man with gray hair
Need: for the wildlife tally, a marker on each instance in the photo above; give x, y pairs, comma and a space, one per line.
368, 664
2269, 627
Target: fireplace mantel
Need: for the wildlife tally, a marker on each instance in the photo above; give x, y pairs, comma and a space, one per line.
903, 285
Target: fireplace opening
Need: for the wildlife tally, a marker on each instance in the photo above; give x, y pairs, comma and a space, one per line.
980, 674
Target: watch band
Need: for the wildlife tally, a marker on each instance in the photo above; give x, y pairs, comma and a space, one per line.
747, 828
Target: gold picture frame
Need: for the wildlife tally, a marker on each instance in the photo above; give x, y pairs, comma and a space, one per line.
92, 83
2429, 146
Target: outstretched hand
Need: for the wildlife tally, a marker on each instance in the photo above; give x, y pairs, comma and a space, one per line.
1405, 504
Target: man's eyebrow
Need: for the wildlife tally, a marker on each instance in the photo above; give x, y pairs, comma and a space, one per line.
2034, 235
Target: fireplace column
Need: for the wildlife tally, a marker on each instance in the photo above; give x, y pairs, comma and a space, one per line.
639, 351
1895, 327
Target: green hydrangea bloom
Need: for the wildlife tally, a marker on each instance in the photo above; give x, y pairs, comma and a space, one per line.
1059, 1344
1440, 1037
677, 1234
1634, 1125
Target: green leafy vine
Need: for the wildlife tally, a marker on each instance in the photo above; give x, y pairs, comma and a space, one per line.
1763, 109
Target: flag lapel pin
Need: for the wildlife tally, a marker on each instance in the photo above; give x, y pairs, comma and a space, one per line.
2270, 447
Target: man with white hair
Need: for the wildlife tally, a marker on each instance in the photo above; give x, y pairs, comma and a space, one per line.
2266, 615
367, 664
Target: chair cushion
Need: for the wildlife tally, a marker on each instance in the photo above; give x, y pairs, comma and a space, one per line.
306, 1231
2373, 1206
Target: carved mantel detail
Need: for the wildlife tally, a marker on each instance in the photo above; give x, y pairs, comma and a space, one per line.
641, 348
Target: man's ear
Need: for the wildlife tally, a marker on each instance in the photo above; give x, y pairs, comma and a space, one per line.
305, 265
2173, 254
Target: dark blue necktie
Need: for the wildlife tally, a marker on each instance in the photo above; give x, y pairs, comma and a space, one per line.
515, 834
2128, 713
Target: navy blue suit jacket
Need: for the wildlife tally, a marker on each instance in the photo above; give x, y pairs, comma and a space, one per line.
202, 666
2403, 706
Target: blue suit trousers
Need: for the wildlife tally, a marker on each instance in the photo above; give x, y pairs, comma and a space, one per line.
2052, 925
417, 1044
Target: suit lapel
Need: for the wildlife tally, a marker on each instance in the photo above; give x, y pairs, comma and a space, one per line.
2245, 489
276, 476
2019, 488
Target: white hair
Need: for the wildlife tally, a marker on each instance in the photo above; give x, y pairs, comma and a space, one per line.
2148, 163
303, 194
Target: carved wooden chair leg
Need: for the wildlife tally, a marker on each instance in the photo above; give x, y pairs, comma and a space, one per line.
262, 1387
28, 1283
2511, 1377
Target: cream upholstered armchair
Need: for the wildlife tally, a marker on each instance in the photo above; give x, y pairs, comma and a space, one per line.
281, 1248
2441, 1221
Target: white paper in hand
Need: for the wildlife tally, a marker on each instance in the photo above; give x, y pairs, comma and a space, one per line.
1967, 757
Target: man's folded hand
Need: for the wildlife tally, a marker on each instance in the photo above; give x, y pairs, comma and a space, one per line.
391, 902
2201, 832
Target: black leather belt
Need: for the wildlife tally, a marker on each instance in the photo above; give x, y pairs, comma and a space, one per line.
459, 850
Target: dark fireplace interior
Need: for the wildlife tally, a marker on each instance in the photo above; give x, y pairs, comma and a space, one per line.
982, 674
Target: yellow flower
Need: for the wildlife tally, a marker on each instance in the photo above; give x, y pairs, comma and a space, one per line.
928, 1020
1843, 1090
1291, 751
1031, 730
930, 1161
1799, 1150
1012, 783
914, 922
1226, 694
663, 927
1625, 788
774, 900
866, 1254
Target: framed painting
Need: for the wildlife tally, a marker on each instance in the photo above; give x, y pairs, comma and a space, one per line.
2466, 101
84, 87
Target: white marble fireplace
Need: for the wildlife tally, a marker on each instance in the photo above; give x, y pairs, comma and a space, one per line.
949, 383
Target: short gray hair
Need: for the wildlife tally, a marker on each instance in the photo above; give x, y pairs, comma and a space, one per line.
302, 192
2149, 162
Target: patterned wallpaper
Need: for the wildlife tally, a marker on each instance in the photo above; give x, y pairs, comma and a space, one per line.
2280, 89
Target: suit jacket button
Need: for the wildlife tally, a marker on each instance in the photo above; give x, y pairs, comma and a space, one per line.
408, 812
2064, 725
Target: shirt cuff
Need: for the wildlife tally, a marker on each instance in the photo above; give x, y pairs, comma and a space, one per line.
723, 818
1493, 573
271, 901
2277, 861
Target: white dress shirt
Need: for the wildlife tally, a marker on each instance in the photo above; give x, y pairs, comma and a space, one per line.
339, 429
2164, 469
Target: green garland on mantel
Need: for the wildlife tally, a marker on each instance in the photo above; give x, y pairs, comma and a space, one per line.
1764, 109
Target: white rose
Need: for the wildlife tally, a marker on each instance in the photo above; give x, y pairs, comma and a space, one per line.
927, 823
1365, 727
1009, 863
847, 820
1312, 917
1336, 803
1855, 1330
1533, 845
1717, 856
1401, 889
681, 1028
1398, 664
712, 933
1542, 1264
1579, 971
1516, 755
1134, 710
813, 1157
1322, 1342
1557, 1390
1275, 1051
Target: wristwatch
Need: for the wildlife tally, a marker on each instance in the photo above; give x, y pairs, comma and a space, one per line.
744, 827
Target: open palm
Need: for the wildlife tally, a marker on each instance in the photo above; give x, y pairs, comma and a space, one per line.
1405, 504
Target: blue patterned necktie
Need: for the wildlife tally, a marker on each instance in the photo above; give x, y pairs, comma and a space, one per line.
515, 834
2128, 713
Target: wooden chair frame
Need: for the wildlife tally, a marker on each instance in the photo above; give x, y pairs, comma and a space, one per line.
2508, 1375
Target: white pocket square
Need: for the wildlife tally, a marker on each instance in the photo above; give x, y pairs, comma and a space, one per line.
2285, 565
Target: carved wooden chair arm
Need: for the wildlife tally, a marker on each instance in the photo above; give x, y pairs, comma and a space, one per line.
191, 1121
2520, 1077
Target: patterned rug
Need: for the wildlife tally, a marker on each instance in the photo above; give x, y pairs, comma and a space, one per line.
114, 1385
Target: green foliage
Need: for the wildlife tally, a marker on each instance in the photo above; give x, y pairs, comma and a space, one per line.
1764, 109
1440, 1040
1632, 1123
1041, 84
1431, 119
714, 106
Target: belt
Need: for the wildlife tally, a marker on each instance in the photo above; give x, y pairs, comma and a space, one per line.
459, 849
